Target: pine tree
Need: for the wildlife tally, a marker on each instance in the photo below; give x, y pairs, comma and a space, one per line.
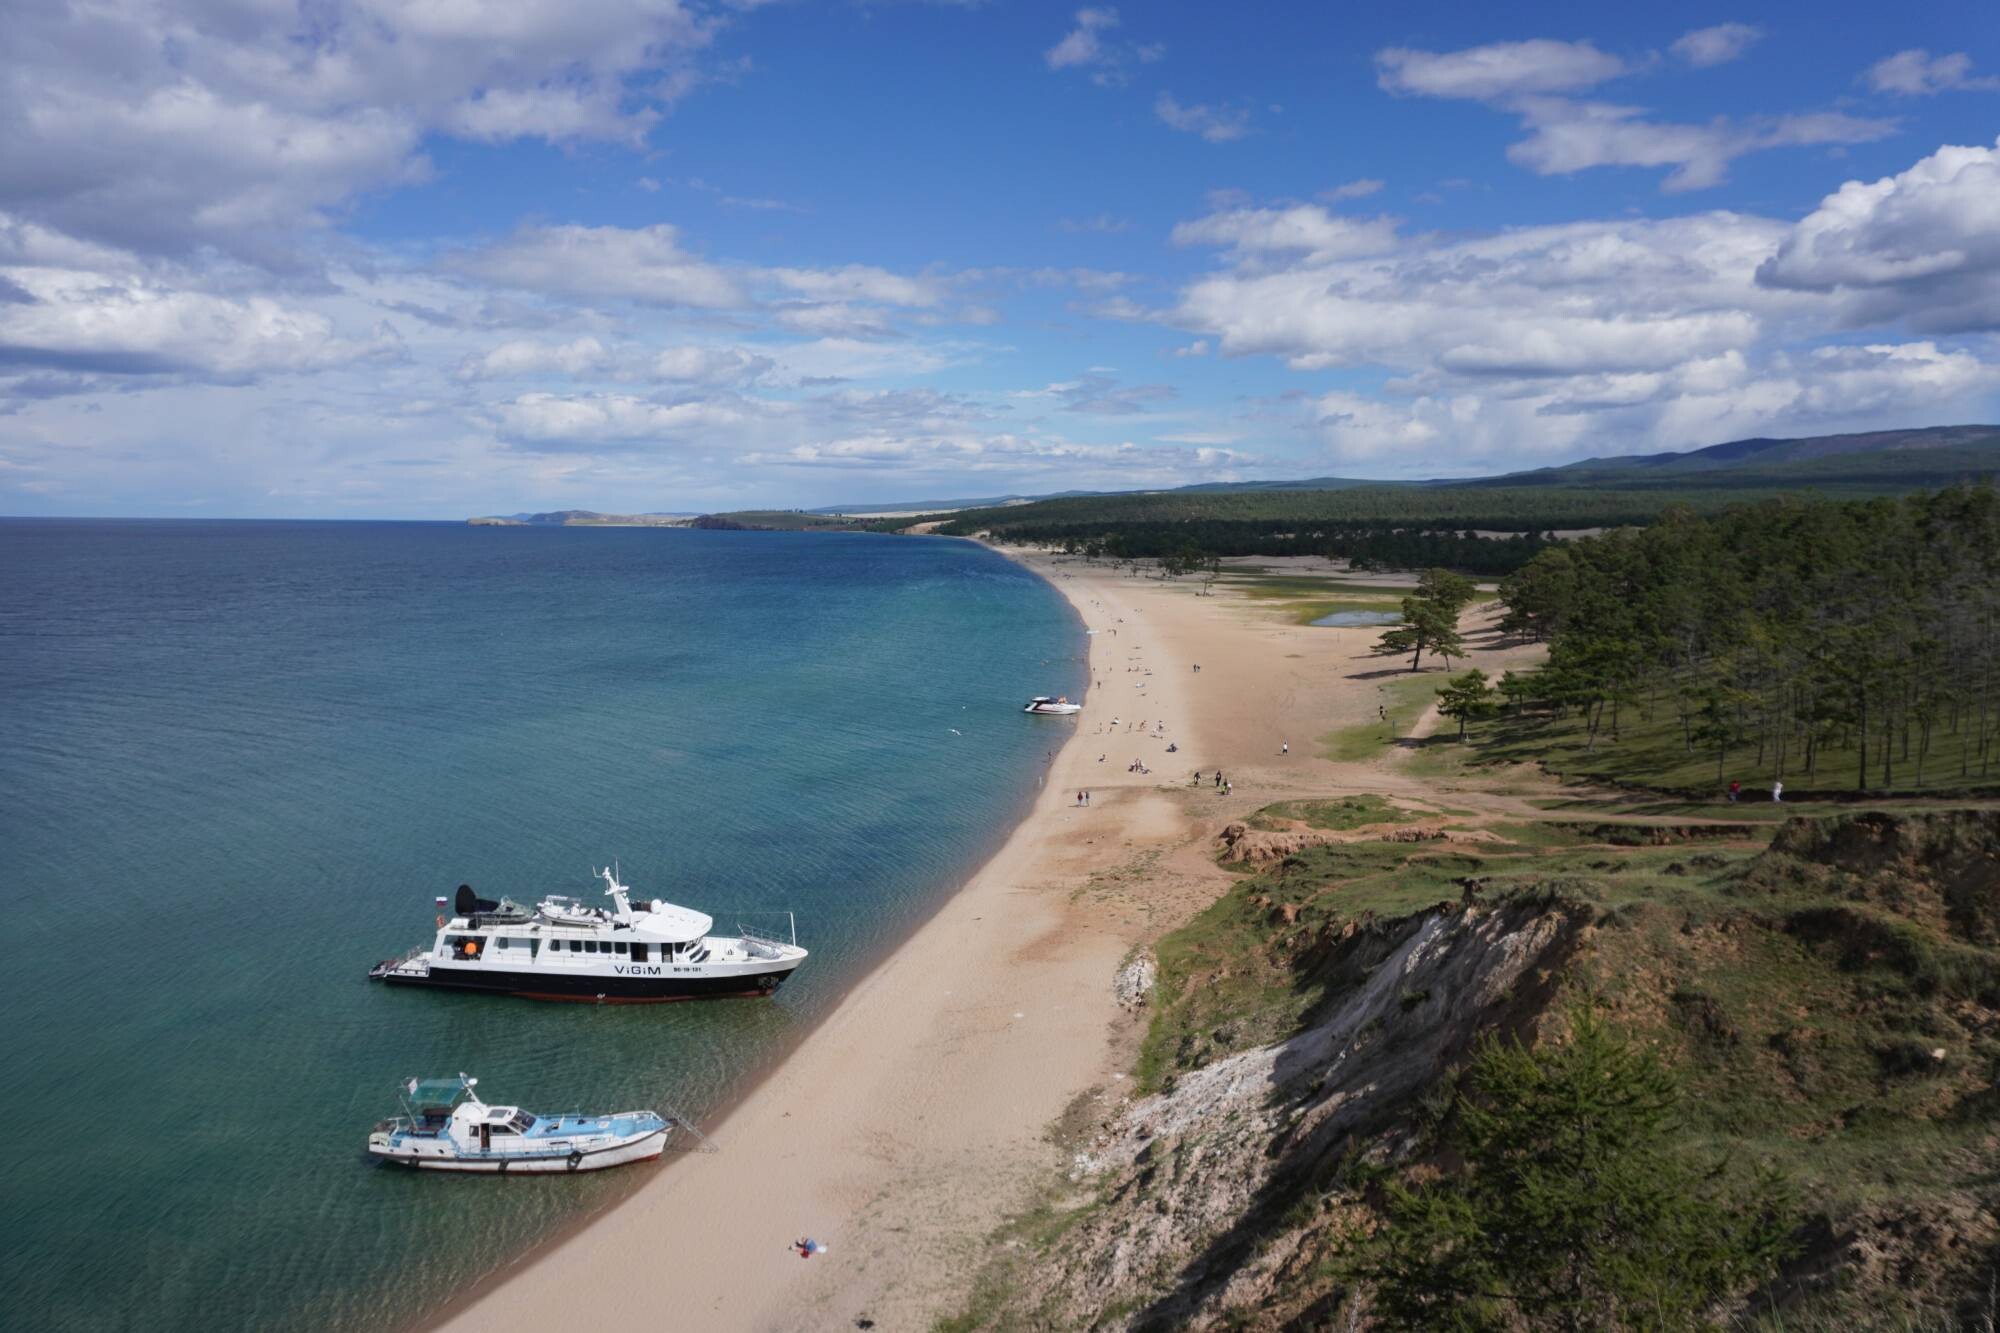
1573, 1210
1467, 697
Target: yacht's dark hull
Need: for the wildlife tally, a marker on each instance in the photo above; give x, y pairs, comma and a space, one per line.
590, 989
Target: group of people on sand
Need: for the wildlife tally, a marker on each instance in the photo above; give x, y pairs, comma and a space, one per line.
1735, 792
1224, 785
1083, 797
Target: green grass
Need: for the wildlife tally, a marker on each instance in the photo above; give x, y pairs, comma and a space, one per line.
1406, 696
1651, 752
1347, 812
1305, 598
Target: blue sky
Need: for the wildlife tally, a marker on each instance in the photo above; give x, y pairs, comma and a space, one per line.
424, 259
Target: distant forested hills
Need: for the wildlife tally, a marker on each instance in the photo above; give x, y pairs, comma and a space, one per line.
1487, 525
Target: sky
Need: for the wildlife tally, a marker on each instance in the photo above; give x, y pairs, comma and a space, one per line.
434, 258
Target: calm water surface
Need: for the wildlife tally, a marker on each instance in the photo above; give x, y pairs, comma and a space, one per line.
238, 761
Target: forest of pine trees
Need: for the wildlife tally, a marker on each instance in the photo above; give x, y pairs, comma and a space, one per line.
1797, 635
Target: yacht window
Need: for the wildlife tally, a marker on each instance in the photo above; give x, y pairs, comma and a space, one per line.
619, 946
501, 1129
638, 952
576, 946
521, 1121
590, 946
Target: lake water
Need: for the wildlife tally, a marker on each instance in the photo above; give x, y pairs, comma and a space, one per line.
239, 760
1351, 619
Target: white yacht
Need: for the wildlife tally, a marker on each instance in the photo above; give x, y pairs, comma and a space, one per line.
445, 1127
563, 949
1060, 706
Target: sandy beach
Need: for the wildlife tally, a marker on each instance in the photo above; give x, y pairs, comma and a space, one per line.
915, 1118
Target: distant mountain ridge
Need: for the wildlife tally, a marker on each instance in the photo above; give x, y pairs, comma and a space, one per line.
1882, 461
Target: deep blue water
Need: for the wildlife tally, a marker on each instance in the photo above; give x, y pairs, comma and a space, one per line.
238, 761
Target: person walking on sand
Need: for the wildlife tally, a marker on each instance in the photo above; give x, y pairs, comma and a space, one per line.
1086, 796
1197, 777
1218, 777
1777, 793
1284, 747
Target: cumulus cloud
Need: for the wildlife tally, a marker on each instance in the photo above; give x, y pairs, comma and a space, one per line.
165, 126
1085, 46
1535, 80
589, 357
1301, 230
644, 264
1213, 123
75, 307
1568, 136
1918, 73
1921, 246
1707, 47
561, 422
1616, 334
1496, 72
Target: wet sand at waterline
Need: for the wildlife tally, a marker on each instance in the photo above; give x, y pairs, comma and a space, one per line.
915, 1118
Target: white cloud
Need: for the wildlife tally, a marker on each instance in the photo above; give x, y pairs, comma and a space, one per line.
1097, 393
1705, 48
82, 309
1496, 72
1567, 136
1086, 47
1214, 124
1354, 189
1305, 230
165, 125
833, 319
644, 264
525, 357
1917, 73
613, 420
1082, 45
859, 282
1618, 335
1921, 246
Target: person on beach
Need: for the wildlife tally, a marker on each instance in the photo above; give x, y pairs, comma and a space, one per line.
1735, 790
1197, 777
1778, 793
1218, 777
1284, 747
1086, 796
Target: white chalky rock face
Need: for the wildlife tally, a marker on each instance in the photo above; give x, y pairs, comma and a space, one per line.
1134, 981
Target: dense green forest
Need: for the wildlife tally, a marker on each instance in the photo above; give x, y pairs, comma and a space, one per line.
1375, 527
1852, 644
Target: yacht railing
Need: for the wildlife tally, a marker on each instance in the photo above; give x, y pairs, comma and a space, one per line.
750, 936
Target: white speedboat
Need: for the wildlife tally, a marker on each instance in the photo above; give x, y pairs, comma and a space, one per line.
564, 950
1059, 707
445, 1127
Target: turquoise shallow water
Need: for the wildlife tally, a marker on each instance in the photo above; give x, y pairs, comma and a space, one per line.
238, 761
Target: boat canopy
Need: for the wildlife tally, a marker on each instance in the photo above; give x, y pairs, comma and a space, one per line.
437, 1091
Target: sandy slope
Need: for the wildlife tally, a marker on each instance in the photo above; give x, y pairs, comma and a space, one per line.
913, 1120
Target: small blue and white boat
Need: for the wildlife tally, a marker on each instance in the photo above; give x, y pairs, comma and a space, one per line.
447, 1128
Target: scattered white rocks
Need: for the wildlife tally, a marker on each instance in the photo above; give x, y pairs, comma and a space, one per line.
1134, 981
